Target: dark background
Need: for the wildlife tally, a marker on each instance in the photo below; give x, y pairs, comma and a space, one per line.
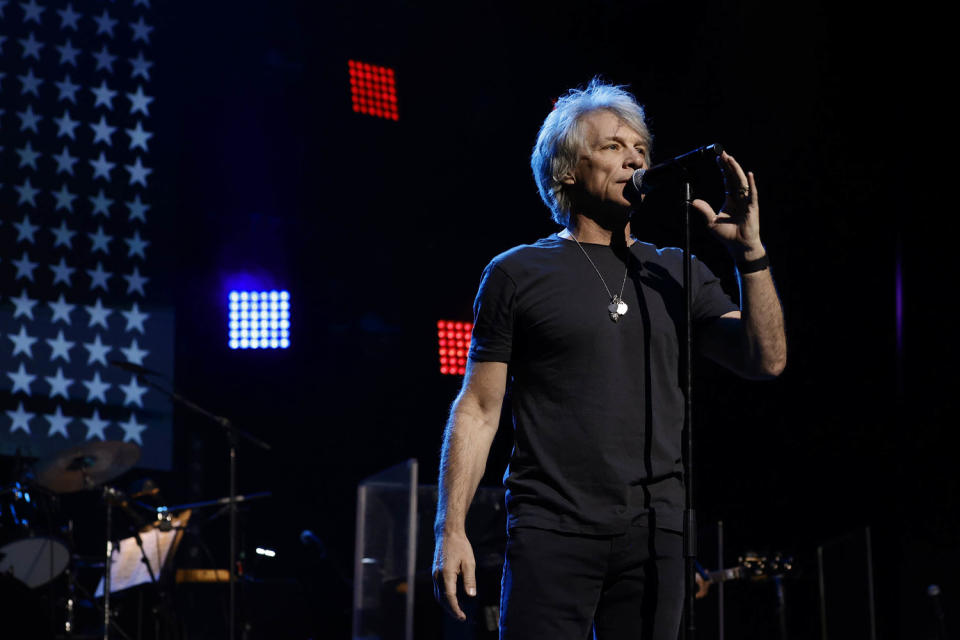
380, 228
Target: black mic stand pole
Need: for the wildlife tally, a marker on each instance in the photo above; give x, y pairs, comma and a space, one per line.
689, 514
233, 434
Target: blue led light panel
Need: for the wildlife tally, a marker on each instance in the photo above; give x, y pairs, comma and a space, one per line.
259, 320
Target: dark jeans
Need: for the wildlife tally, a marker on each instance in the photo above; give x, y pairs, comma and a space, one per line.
560, 586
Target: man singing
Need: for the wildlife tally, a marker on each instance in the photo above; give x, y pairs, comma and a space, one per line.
586, 326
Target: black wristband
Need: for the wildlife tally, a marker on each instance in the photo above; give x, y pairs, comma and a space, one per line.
752, 266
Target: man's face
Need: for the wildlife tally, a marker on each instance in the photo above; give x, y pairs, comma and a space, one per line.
612, 152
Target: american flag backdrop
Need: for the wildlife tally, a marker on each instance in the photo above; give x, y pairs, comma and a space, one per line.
80, 249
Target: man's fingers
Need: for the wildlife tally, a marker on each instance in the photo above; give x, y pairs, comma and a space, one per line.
754, 196
705, 209
469, 579
733, 170
450, 591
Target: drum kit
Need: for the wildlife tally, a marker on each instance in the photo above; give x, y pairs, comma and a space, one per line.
38, 543
33, 549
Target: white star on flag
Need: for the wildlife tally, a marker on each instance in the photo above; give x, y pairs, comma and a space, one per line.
61, 310
60, 347
99, 277
66, 125
133, 392
64, 199
24, 305
22, 342
25, 230
95, 426
138, 210
58, 423
76, 135
101, 203
65, 161
20, 419
67, 89
21, 380
135, 282
141, 30
135, 319
59, 384
62, 272
63, 235
69, 17
136, 245
103, 96
97, 350
100, 241
132, 430
134, 354
98, 314
27, 193
31, 11
96, 388
68, 53
24, 267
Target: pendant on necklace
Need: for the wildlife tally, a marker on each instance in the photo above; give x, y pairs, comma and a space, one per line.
617, 308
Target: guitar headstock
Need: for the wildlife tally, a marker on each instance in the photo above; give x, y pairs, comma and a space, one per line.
757, 566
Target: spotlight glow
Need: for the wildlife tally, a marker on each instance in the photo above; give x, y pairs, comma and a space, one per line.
453, 344
373, 90
254, 318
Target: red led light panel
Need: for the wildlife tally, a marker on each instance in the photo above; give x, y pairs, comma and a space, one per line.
453, 344
373, 90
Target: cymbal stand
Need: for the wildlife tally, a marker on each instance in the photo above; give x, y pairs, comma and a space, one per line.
118, 497
107, 565
233, 435
86, 594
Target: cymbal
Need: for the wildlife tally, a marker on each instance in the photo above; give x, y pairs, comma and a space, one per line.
86, 466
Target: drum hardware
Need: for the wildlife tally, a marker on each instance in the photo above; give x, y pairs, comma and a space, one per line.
234, 435
86, 466
29, 550
35, 556
114, 497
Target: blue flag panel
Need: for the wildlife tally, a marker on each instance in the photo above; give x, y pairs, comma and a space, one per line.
79, 281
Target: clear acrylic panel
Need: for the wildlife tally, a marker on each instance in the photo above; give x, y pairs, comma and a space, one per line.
385, 554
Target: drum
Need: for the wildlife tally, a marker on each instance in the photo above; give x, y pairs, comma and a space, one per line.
29, 550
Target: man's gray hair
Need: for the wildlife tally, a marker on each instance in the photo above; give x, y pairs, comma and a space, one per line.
560, 140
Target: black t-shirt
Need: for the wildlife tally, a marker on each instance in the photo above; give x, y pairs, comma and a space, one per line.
597, 405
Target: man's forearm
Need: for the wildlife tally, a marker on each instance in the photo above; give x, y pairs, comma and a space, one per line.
762, 317
466, 445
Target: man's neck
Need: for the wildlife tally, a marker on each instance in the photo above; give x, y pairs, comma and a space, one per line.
587, 230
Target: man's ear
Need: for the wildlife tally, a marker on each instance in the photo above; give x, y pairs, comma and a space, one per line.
568, 178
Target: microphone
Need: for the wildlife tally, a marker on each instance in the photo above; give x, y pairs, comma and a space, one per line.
666, 173
934, 592
309, 539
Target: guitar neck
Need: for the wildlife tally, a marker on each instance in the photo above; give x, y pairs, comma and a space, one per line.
725, 575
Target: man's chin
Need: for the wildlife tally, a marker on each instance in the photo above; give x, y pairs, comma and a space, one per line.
614, 215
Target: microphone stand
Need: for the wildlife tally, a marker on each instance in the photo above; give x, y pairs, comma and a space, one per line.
689, 514
233, 435
679, 168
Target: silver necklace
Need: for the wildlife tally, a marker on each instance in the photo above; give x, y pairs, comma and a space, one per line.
617, 306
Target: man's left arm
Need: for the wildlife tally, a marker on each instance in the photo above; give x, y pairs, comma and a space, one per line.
752, 341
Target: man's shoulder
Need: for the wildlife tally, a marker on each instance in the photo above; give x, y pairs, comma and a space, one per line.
522, 256
651, 252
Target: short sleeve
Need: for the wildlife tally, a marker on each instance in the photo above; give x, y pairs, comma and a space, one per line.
711, 300
493, 314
